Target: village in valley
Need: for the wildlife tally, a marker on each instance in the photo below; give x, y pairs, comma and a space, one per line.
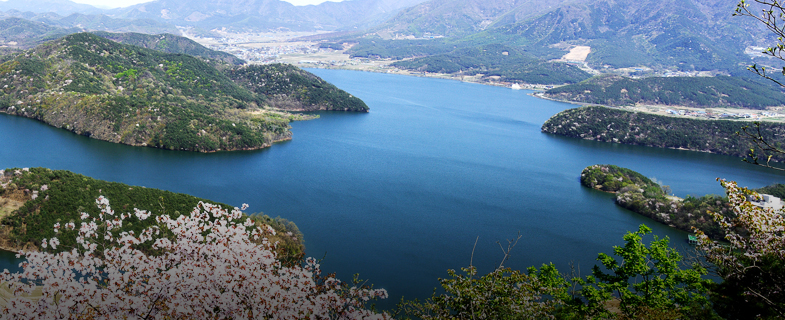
299, 49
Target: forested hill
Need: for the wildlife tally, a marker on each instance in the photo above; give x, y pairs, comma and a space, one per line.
509, 63
637, 128
22, 33
169, 43
704, 92
290, 88
132, 95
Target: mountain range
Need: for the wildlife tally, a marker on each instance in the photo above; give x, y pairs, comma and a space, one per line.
236, 15
61, 7
668, 35
256, 15
462, 17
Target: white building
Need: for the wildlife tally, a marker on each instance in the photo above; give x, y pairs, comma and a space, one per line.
767, 201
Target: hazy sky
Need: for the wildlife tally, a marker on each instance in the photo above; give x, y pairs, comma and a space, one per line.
125, 3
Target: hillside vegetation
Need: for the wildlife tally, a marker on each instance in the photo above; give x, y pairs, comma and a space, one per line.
169, 43
132, 95
59, 196
777, 190
704, 92
22, 33
641, 195
290, 88
508, 63
638, 128
663, 35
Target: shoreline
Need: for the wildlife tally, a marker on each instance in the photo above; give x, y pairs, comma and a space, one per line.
277, 139
444, 76
538, 90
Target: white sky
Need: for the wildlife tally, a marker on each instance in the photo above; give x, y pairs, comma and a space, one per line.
125, 3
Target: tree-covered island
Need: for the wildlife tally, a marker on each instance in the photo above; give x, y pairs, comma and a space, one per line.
126, 94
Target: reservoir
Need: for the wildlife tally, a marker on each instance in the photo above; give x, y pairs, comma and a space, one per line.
401, 194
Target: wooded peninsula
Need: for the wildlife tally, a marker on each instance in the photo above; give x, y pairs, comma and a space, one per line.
638, 128
127, 94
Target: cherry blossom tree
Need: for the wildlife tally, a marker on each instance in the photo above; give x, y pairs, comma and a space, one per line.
209, 264
753, 261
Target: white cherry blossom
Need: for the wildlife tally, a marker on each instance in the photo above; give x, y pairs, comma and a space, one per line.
210, 268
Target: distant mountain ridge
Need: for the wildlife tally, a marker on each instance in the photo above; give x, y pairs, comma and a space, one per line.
462, 17
261, 15
665, 35
77, 22
22, 33
60, 7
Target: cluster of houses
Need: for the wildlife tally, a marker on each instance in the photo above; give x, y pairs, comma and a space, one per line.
726, 115
264, 54
766, 201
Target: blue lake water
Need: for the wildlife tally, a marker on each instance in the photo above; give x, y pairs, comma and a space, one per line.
400, 194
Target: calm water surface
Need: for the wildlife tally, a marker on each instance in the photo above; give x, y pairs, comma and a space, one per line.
400, 194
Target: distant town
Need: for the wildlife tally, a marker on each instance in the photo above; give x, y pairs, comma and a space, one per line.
287, 47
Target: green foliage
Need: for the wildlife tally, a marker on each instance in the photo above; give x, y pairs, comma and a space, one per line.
638, 128
27, 33
720, 91
121, 93
331, 45
501, 294
777, 190
683, 214
289, 87
290, 241
646, 278
612, 178
398, 49
645, 282
753, 260
130, 73
648, 198
732, 298
509, 63
169, 43
68, 194
189, 76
